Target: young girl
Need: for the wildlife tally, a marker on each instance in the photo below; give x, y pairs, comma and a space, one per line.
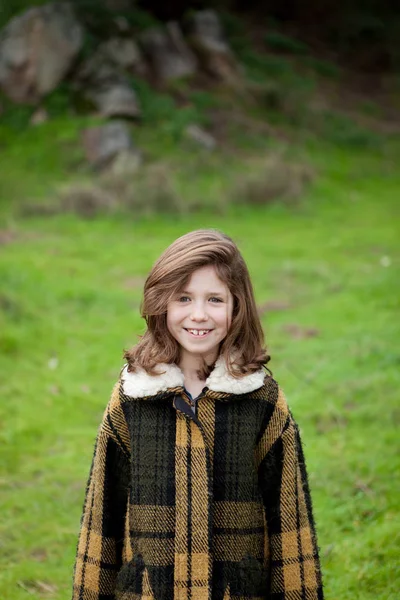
198, 487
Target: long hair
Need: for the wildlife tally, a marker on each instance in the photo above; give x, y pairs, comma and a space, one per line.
243, 348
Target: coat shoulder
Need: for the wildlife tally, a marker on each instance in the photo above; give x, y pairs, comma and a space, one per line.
114, 422
272, 394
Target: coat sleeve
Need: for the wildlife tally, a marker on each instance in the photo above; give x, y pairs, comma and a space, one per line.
100, 545
293, 551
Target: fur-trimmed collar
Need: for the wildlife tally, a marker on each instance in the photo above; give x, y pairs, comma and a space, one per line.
140, 384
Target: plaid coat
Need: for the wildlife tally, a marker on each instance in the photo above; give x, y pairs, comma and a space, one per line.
205, 505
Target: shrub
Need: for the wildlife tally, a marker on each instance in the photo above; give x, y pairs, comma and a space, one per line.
282, 43
274, 179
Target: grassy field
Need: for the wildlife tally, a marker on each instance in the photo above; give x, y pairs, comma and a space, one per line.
326, 274
325, 264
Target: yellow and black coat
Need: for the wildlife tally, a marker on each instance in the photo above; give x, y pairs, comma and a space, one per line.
211, 504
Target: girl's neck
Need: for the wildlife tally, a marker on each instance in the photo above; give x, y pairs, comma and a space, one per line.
190, 366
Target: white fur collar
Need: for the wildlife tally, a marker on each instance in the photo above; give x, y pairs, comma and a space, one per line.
140, 384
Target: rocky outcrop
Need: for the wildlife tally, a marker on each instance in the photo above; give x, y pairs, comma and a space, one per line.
200, 136
207, 40
102, 83
41, 46
168, 53
37, 49
104, 143
124, 53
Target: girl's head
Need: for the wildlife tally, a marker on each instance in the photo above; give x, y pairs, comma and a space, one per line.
200, 286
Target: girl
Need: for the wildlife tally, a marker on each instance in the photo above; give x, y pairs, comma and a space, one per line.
198, 488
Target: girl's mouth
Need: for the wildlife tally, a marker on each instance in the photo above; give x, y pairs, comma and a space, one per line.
199, 333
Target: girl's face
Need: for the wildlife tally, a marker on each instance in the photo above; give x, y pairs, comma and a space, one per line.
199, 316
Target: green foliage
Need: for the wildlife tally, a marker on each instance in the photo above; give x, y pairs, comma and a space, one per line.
59, 102
283, 43
322, 67
339, 129
11, 8
366, 34
157, 106
15, 117
161, 110
203, 101
140, 20
101, 21
232, 24
259, 66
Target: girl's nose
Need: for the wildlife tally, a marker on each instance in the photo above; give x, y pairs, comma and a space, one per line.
198, 314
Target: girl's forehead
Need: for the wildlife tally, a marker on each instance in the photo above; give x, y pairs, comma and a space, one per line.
205, 275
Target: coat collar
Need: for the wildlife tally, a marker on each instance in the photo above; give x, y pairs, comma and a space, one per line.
140, 384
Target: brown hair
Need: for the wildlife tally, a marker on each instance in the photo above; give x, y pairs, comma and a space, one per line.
243, 348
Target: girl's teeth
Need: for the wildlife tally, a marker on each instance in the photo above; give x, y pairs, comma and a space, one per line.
198, 332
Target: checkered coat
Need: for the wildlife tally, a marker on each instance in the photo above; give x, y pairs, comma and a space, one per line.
205, 505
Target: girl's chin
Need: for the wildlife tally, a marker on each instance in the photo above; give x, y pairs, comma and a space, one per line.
201, 350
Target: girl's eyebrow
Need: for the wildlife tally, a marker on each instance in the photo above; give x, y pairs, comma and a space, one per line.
207, 293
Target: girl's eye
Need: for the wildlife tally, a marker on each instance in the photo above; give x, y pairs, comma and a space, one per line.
213, 299
183, 299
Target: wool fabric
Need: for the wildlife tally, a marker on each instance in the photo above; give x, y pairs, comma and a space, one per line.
212, 505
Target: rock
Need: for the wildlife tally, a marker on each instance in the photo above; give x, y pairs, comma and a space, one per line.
86, 199
37, 49
39, 116
207, 40
122, 24
102, 144
123, 53
115, 99
200, 136
168, 53
126, 162
102, 83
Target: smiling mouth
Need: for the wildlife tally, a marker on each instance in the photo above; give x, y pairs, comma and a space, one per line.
198, 332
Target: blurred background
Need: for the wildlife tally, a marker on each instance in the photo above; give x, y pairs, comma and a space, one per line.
125, 124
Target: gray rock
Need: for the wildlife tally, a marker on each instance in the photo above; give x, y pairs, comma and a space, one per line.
102, 82
126, 162
200, 136
124, 53
115, 99
39, 116
205, 24
102, 144
37, 49
207, 40
122, 24
168, 53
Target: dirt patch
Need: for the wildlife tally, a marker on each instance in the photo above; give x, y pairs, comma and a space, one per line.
326, 423
86, 200
273, 306
39, 554
300, 333
135, 282
273, 178
364, 487
7, 236
43, 588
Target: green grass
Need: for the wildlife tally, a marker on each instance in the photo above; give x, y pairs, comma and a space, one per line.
329, 259
69, 304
